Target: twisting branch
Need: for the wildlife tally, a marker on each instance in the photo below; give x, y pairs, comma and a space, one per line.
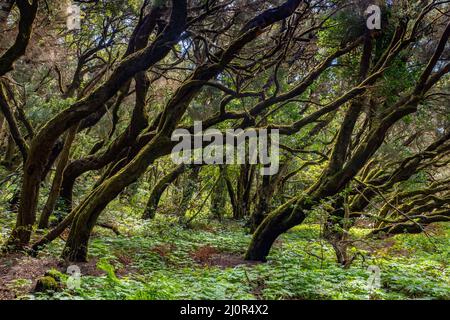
12, 123
27, 15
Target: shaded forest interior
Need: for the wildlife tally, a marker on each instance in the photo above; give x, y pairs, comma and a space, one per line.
356, 92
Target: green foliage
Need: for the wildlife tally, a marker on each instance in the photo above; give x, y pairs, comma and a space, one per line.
203, 259
158, 261
41, 110
46, 284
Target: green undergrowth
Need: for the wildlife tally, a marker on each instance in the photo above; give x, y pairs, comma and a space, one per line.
161, 260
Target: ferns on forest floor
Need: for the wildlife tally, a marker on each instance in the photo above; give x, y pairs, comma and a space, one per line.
158, 262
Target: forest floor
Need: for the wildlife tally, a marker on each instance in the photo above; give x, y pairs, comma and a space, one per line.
161, 260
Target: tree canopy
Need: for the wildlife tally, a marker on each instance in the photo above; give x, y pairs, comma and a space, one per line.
88, 116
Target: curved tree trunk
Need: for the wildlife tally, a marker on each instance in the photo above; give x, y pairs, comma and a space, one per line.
158, 190
27, 15
293, 212
278, 222
56, 185
8, 159
48, 135
2, 128
189, 188
88, 211
218, 197
7, 112
265, 194
86, 214
244, 188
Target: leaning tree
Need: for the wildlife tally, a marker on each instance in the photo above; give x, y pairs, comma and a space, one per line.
310, 69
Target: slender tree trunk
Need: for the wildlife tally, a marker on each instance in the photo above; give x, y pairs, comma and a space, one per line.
8, 160
231, 192
2, 122
158, 190
278, 222
189, 187
57, 180
4, 132
335, 231
12, 123
86, 214
262, 206
218, 197
244, 188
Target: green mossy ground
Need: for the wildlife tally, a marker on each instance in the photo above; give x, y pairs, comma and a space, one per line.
161, 260
164, 261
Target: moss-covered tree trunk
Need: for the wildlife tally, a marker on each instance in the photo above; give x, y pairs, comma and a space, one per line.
57, 180
336, 230
265, 192
2, 129
28, 13
8, 113
43, 142
190, 186
276, 223
243, 191
218, 197
10, 152
86, 214
159, 188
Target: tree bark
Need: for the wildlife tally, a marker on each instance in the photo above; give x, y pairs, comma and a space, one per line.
12, 123
47, 136
244, 188
277, 222
189, 188
88, 211
27, 15
57, 180
265, 194
8, 160
218, 197
158, 190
